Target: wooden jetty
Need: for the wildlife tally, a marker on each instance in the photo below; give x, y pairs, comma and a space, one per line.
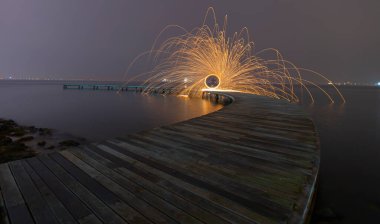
253, 161
117, 87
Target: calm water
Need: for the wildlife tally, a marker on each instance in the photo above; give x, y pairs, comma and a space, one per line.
349, 188
94, 115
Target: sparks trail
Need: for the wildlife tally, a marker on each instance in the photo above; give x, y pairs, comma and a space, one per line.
187, 62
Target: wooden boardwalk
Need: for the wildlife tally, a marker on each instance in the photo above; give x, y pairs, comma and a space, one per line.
120, 88
115, 87
254, 161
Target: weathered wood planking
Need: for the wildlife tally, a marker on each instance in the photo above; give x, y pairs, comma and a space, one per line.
255, 161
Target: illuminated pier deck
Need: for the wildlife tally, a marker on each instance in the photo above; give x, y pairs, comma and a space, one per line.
254, 161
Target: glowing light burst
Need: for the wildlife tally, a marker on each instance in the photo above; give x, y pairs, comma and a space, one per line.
206, 58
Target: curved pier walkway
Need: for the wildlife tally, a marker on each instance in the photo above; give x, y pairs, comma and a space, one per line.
254, 161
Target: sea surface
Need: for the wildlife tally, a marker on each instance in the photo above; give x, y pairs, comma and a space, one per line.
95, 115
349, 182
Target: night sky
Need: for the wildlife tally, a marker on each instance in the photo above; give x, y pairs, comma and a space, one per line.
97, 39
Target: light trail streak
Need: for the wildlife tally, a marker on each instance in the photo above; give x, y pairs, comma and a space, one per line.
183, 63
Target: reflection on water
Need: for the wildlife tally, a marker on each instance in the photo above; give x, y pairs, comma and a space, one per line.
349, 188
95, 115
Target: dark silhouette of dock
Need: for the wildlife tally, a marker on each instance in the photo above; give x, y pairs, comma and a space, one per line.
254, 161
117, 87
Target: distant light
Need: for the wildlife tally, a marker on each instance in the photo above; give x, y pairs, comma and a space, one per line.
185, 80
378, 84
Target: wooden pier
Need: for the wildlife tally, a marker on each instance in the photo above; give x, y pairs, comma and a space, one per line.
253, 161
118, 87
115, 87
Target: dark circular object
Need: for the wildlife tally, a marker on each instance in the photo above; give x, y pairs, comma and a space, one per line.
212, 81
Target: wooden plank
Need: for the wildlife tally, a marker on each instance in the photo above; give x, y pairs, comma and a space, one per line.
253, 144
211, 133
200, 197
89, 175
263, 118
38, 207
255, 122
100, 163
225, 152
61, 213
105, 193
219, 200
206, 167
3, 212
256, 200
252, 129
76, 207
14, 202
293, 126
266, 161
100, 209
221, 163
147, 196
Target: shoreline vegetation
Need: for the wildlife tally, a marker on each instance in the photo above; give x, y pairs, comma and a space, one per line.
19, 142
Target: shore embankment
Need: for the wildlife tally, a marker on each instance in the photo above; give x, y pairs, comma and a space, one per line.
18, 141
